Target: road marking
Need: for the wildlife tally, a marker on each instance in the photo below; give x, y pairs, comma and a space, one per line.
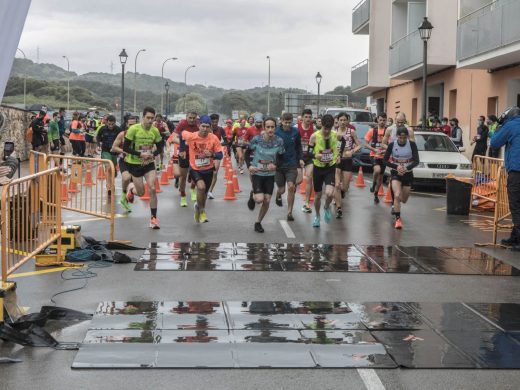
287, 229
333, 280
45, 271
370, 379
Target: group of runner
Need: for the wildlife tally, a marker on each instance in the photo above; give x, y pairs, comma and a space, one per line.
273, 152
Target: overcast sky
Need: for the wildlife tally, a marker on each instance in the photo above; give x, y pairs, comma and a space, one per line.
227, 40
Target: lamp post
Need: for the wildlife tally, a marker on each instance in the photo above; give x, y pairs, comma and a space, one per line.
24, 81
123, 57
68, 82
318, 81
135, 80
186, 84
167, 88
162, 79
269, 86
425, 29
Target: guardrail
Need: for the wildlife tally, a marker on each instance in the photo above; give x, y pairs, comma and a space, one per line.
406, 52
360, 14
359, 75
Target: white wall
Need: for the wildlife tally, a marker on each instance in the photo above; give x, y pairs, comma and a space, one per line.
442, 47
513, 89
379, 41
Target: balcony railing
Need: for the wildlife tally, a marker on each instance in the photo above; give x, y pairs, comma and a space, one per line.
359, 75
406, 52
488, 28
360, 14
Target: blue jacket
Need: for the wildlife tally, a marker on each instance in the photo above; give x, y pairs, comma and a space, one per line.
509, 135
293, 148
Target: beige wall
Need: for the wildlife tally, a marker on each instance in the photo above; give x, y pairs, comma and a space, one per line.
13, 130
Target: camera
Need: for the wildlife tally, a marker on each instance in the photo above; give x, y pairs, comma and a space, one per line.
8, 149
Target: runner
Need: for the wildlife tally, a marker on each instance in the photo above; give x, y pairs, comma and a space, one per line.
106, 136
91, 125
391, 131
318, 125
126, 178
138, 145
374, 142
323, 148
349, 144
401, 156
190, 125
306, 129
251, 133
228, 131
221, 135
267, 148
205, 154
239, 140
76, 137
161, 125
290, 162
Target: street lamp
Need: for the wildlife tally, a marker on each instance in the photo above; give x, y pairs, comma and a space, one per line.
269, 86
162, 79
167, 88
318, 81
135, 80
24, 80
68, 82
186, 84
425, 29
123, 57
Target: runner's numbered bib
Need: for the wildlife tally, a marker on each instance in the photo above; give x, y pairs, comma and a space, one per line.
263, 165
202, 161
326, 156
305, 147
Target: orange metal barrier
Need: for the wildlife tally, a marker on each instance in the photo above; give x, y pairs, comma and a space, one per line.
37, 162
87, 186
30, 219
502, 211
485, 174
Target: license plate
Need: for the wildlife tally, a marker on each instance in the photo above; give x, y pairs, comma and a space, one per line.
439, 175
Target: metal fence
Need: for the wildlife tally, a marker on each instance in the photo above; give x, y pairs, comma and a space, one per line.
488, 28
406, 52
359, 75
360, 14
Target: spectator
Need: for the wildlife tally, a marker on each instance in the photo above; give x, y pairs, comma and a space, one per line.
481, 139
456, 133
54, 133
446, 129
492, 123
39, 134
389, 122
436, 125
509, 135
77, 137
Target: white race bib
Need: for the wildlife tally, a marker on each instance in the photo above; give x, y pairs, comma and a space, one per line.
327, 155
202, 162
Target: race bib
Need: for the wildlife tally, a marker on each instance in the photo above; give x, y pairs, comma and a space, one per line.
327, 155
305, 148
145, 148
240, 142
202, 161
263, 165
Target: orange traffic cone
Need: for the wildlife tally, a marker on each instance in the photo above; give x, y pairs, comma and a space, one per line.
73, 188
164, 178
157, 186
101, 173
64, 192
146, 195
236, 187
169, 171
381, 191
303, 185
229, 174
230, 192
388, 197
360, 181
88, 176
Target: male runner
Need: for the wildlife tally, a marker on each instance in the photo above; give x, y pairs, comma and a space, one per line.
374, 142
220, 134
401, 156
251, 133
306, 129
267, 148
239, 140
228, 133
323, 148
139, 142
290, 162
349, 144
161, 125
106, 135
205, 153
391, 132
189, 125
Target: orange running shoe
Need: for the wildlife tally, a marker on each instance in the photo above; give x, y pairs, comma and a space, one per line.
130, 196
398, 223
154, 223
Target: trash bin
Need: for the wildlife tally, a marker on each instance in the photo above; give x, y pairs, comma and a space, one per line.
458, 196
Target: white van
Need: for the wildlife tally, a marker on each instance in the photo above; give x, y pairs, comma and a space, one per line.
357, 115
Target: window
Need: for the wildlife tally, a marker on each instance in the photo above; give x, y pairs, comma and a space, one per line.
434, 143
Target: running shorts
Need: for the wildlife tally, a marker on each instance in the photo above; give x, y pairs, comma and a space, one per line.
205, 176
347, 165
380, 162
406, 180
138, 170
321, 176
285, 175
123, 166
263, 184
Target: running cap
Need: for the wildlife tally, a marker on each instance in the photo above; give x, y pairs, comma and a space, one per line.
205, 119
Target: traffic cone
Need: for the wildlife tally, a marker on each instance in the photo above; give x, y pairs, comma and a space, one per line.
73, 188
88, 176
64, 192
169, 171
236, 187
101, 173
303, 185
388, 197
360, 181
164, 178
381, 191
230, 192
157, 186
146, 195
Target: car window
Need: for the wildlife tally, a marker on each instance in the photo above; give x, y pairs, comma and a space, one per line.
360, 116
434, 143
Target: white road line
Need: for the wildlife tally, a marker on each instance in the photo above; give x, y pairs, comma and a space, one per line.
370, 379
287, 229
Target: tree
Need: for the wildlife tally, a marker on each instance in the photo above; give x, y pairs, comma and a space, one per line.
234, 101
194, 102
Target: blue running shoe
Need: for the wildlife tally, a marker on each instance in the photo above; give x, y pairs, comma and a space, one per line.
328, 215
316, 222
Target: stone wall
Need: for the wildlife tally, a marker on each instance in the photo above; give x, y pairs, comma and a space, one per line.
13, 123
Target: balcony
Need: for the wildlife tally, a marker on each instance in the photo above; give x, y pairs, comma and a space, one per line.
406, 53
489, 38
361, 17
359, 75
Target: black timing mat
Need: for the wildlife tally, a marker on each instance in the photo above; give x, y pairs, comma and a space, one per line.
200, 256
264, 334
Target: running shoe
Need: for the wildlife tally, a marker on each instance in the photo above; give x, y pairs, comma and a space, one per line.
130, 196
197, 213
210, 195
258, 227
154, 223
316, 222
184, 202
339, 214
251, 203
193, 195
376, 199
398, 223
124, 203
290, 218
306, 208
203, 217
278, 201
328, 215
372, 188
